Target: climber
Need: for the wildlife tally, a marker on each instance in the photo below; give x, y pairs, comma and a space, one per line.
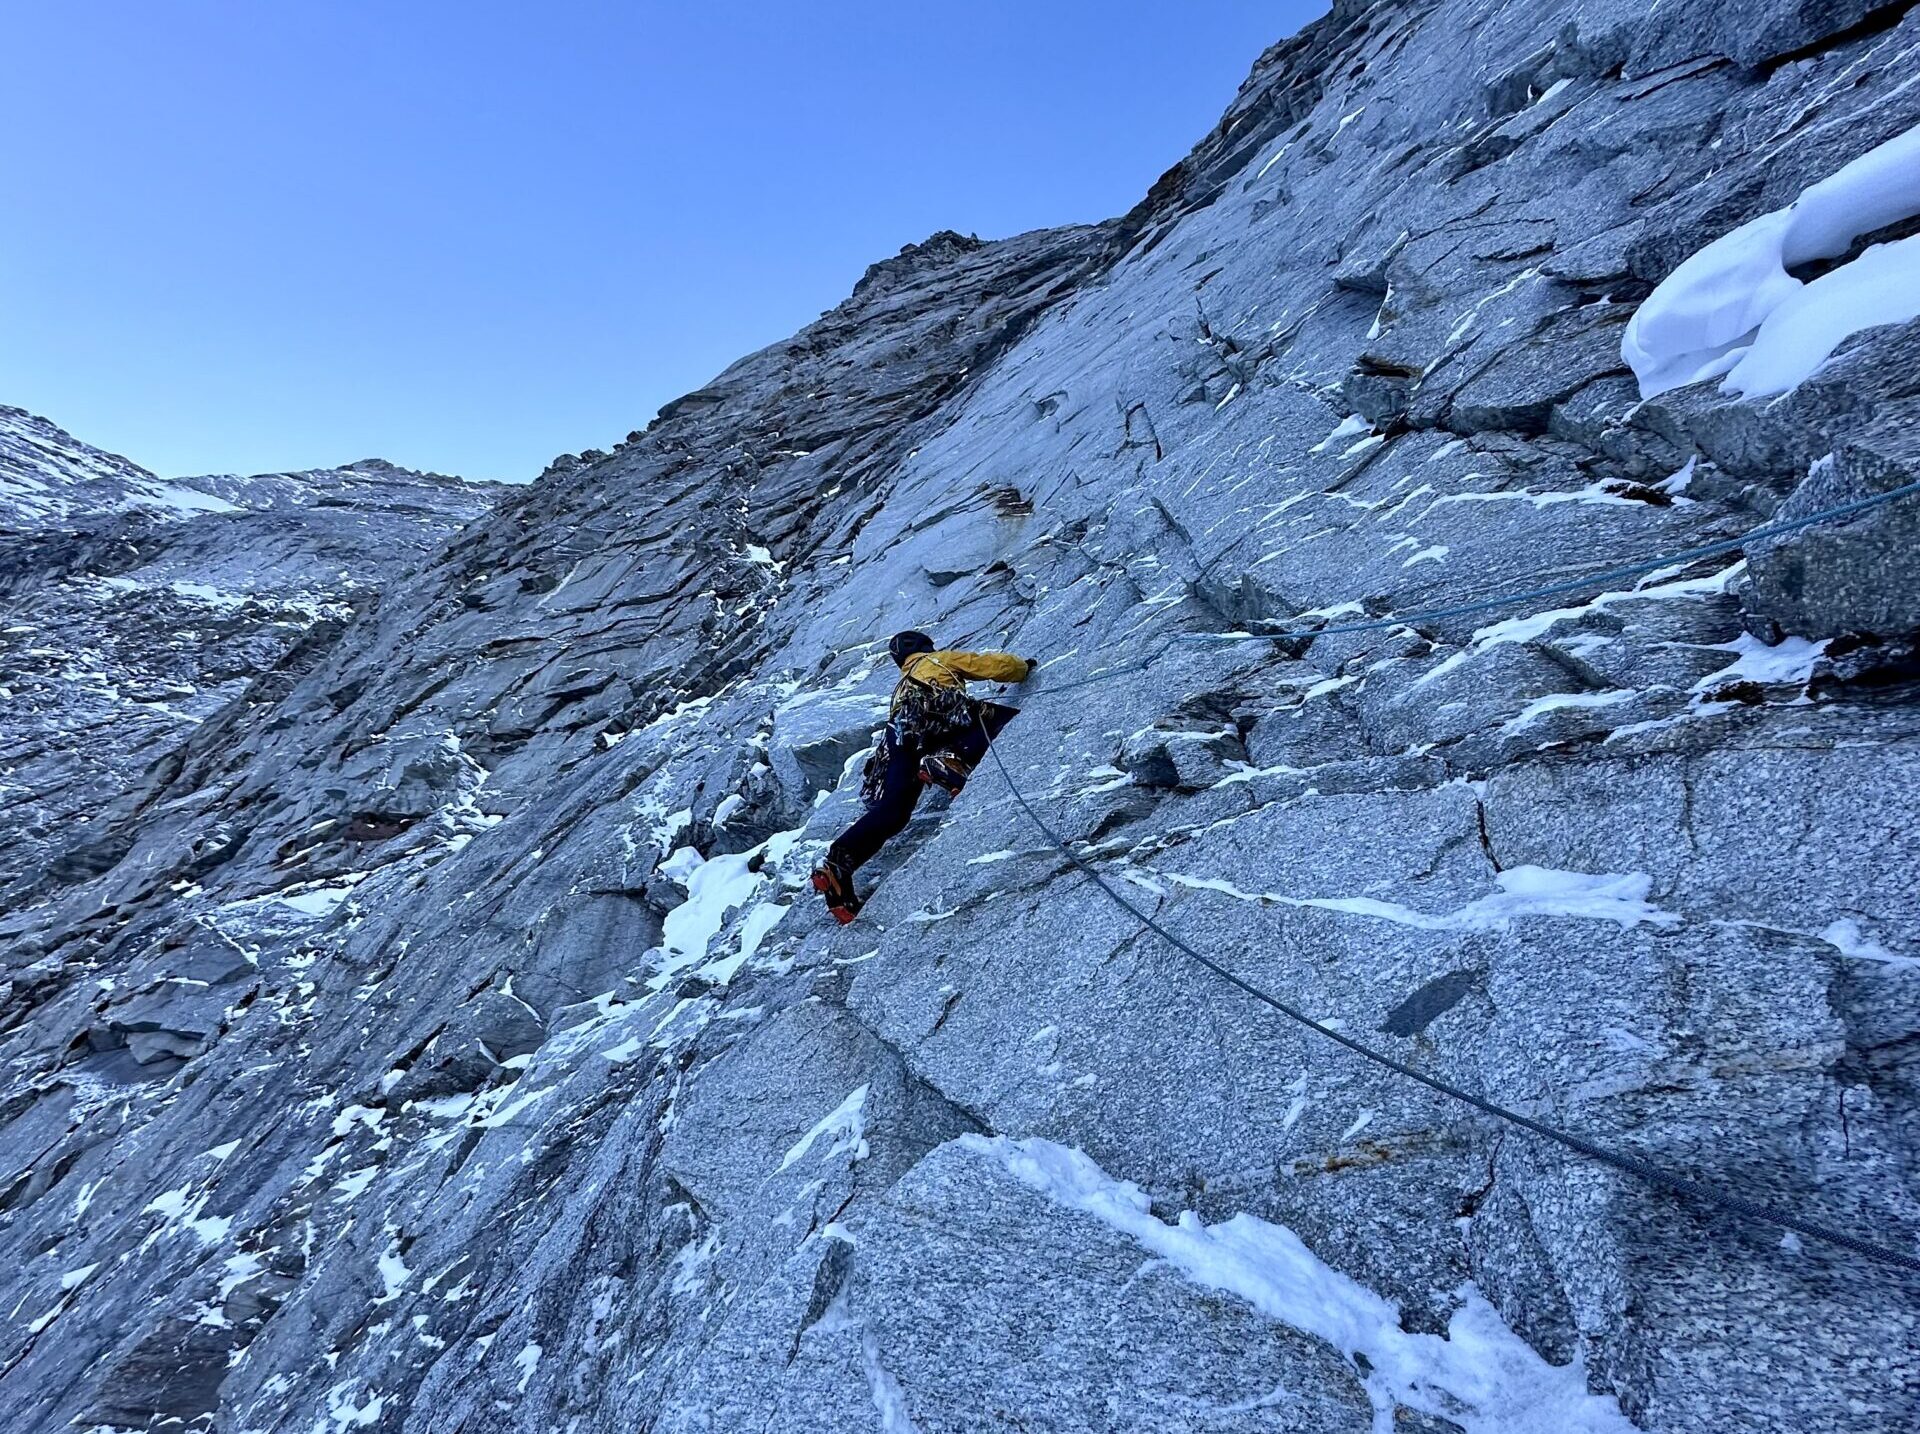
935, 733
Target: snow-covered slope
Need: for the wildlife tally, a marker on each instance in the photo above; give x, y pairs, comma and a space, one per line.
445, 1042
49, 478
135, 608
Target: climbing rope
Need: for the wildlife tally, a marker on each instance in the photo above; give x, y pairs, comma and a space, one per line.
1671, 560
1728, 1200
1631, 1165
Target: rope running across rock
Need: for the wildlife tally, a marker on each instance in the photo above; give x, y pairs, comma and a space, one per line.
1737, 1204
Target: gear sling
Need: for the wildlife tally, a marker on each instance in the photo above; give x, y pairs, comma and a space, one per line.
931, 716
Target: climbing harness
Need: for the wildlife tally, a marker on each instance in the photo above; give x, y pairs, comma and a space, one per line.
873, 776
1628, 1164
928, 712
921, 717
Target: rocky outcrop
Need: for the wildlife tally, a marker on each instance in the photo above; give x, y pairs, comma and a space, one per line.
499, 1073
137, 608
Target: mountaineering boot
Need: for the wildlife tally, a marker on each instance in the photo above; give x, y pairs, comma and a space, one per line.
835, 883
945, 771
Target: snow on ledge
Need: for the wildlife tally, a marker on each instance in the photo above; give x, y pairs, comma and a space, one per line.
1733, 309
1619, 897
1352, 426
1481, 1376
1792, 661
845, 1125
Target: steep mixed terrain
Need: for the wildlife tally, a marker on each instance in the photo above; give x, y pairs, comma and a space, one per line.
528, 1090
135, 608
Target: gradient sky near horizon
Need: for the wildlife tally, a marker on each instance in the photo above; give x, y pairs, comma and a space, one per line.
468, 236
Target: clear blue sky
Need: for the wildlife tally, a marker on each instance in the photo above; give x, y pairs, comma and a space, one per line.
245, 235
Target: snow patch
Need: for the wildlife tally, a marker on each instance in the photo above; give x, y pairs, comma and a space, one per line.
1351, 426
715, 889
348, 1413
319, 902
394, 1275
1533, 626
1560, 701
73, 1279
845, 1125
526, 1361
1481, 1375
1789, 662
888, 1398
238, 1270
1846, 937
182, 499
181, 1209
689, 1260
1733, 309
753, 930
1524, 891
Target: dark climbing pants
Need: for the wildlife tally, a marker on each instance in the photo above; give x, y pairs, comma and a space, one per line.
901, 786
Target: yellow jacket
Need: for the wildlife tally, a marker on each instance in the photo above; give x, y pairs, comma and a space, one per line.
954, 669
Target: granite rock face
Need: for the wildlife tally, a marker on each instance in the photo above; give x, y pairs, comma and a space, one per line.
442, 1039
136, 608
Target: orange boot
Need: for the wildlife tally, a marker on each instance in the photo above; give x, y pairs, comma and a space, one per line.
835, 883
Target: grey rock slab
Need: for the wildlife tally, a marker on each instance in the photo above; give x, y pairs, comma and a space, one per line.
969, 1302
493, 862
1855, 576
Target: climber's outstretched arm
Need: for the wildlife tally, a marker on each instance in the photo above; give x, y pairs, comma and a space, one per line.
986, 666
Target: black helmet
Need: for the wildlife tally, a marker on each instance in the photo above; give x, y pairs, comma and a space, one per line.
905, 644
